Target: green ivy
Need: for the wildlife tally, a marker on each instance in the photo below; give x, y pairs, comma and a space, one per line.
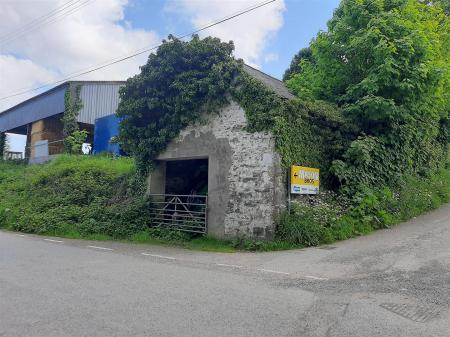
184, 80
305, 132
2, 144
174, 88
76, 140
72, 107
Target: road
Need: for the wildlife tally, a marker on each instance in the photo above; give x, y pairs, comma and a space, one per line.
395, 282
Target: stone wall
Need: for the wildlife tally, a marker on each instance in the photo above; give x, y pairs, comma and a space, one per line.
246, 188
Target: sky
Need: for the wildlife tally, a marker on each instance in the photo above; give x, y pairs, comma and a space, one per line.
87, 33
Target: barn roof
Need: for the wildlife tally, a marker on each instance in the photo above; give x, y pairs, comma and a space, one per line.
272, 83
100, 98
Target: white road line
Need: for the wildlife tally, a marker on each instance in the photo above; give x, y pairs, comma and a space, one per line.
273, 271
22, 235
50, 240
229, 265
315, 278
159, 256
102, 248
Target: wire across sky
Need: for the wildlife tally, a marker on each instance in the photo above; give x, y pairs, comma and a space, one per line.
137, 52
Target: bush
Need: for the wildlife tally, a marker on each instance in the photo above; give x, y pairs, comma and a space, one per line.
324, 219
78, 195
421, 194
310, 223
302, 231
373, 209
101, 198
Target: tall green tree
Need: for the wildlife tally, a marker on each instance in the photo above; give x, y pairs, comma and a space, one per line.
305, 54
386, 64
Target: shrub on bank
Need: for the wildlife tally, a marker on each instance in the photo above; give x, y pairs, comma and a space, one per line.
321, 219
74, 194
99, 198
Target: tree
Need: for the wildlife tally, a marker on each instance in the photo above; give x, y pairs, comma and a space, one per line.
305, 54
386, 64
445, 4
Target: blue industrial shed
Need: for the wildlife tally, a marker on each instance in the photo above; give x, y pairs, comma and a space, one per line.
39, 118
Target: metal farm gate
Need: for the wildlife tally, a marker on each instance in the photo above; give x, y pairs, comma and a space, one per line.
181, 212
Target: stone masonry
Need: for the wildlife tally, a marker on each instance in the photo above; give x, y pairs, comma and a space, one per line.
246, 189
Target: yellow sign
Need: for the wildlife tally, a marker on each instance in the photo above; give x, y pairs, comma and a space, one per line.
304, 180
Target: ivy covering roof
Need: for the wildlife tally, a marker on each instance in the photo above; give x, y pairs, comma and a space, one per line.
272, 83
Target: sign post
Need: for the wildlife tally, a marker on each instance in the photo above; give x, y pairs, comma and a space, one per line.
304, 180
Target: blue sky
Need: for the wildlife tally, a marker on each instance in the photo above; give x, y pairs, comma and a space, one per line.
266, 38
302, 19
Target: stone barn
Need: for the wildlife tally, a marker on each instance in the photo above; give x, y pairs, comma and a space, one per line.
239, 171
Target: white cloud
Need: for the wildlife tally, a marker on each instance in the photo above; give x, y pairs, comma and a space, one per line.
270, 57
87, 37
18, 73
250, 32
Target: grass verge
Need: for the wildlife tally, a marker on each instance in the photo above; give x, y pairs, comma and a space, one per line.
99, 198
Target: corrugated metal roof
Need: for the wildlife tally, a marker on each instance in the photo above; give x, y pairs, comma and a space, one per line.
42, 106
100, 98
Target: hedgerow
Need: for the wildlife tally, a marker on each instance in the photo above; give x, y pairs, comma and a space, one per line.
333, 216
91, 197
80, 195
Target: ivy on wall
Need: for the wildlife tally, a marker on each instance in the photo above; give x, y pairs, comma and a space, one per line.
174, 88
72, 106
184, 80
306, 133
2, 144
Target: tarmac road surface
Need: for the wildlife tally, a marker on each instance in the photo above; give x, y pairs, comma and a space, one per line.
395, 282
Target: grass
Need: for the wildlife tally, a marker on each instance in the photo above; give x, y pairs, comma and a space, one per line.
92, 197
97, 198
207, 243
201, 243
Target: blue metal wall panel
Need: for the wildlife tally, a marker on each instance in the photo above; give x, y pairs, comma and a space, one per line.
106, 128
43, 106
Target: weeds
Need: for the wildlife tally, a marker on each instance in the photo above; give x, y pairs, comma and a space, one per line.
323, 219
